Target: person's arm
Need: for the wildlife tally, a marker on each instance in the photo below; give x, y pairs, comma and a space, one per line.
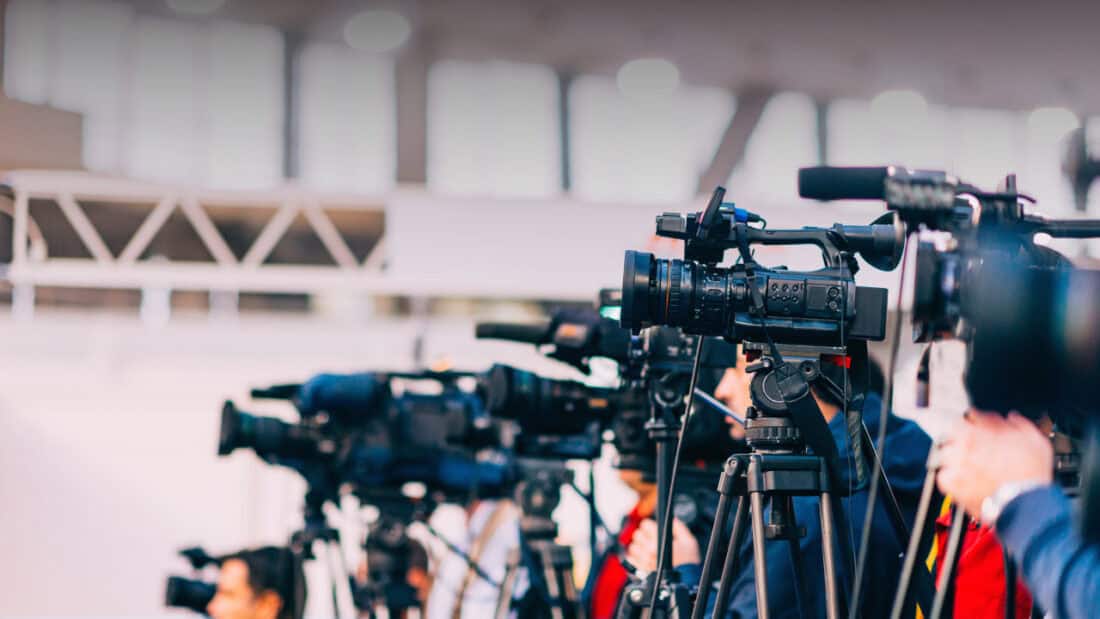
1062, 572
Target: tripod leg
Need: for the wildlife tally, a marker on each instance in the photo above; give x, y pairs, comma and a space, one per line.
759, 555
507, 587
912, 551
832, 609
729, 567
1010, 585
563, 573
324, 550
550, 576
720, 515
794, 548
945, 591
342, 579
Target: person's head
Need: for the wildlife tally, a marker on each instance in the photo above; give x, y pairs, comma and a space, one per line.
265, 583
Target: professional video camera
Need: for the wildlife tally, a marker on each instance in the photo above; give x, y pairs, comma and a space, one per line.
576, 336
191, 593
355, 431
747, 302
1027, 315
803, 329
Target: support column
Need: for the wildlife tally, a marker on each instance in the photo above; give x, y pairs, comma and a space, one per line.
293, 42
565, 83
411, 75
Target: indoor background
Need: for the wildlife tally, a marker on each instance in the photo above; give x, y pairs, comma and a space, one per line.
205, 196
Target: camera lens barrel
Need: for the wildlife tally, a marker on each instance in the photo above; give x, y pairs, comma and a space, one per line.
266, 435
193, 595
700, 299
677, 293
543, 405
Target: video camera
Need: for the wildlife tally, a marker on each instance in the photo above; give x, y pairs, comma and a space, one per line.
661, 358
190, 593
1026, 313
355, 431
747, 302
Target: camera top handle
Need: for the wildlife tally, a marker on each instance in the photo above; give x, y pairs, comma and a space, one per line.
722, 226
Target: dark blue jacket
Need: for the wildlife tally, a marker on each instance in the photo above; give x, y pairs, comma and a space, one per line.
905, 455
1061, 571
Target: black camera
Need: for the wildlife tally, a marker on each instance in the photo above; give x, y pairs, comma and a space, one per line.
269, 437
411, 437
194, 595
747, 302
189, 593
1027, 315
544, 405
659, 360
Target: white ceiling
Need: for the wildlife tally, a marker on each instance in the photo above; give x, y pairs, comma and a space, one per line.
1008, 54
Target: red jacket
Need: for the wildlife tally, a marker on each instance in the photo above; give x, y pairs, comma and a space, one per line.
980, 577
612, 577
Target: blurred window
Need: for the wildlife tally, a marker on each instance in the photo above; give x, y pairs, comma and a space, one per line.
493, 129
348, 117
162, 99
978, 145
783, 141
629, 149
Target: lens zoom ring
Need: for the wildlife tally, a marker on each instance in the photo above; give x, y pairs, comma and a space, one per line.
676, 301
711, 300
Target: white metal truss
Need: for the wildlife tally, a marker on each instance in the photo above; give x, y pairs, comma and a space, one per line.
32, 266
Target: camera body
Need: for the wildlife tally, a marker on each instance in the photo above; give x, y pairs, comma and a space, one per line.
1025, 312
748, 302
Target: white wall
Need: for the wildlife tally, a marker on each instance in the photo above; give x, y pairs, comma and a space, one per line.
108, 435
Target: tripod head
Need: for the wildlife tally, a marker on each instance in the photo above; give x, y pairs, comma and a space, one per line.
538, 495
391, 554
769, 427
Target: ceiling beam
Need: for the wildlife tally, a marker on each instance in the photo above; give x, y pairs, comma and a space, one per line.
731, 150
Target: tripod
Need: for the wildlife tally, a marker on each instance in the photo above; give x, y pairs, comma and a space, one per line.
666, 404
388, 548
551, 563
304, 544
776, 469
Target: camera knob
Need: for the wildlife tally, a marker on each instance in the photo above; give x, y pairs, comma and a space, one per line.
763, 364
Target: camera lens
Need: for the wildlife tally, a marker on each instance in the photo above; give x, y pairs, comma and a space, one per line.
266, 435
543, 405
676, 293
193, 595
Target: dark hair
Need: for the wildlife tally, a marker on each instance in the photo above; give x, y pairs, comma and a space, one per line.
277, 570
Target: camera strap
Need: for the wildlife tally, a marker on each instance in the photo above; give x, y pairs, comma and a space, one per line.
806, 414
502, 512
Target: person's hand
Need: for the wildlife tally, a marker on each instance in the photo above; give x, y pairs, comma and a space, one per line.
984, 451
643, 547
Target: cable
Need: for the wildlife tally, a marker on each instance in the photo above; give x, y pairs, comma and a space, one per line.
462, 555
718, 406
880, 444
666, 525
600, 522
